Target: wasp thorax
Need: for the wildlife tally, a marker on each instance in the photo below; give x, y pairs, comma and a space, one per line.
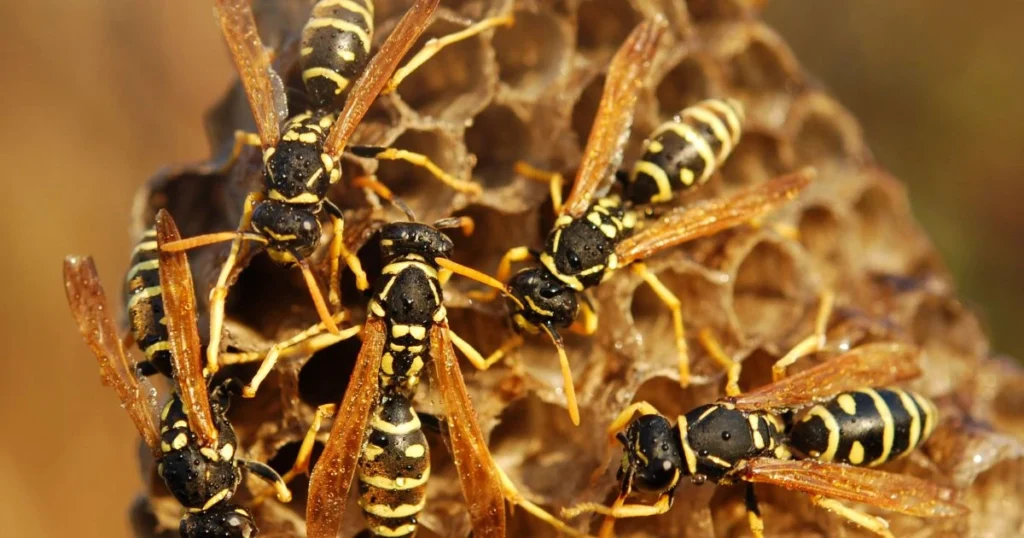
579, 250
652, 454
292, 232
404, 238
542, 298
719, 438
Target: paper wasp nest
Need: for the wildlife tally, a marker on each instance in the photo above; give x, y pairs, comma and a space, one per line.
530, 92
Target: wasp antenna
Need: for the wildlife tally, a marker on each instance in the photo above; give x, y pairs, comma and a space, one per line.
567, 381
190, 243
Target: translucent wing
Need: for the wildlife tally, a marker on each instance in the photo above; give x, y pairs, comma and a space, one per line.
89, 307
895, 492
711, 216
377, 74
183, 335
481, 484
262, 86
332, 477
614, 116
870, 365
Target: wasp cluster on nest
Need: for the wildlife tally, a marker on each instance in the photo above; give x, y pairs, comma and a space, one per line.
529, 92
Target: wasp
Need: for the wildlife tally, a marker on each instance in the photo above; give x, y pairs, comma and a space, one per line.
190, 438
145, 307
301, 159
592, 239
818, 431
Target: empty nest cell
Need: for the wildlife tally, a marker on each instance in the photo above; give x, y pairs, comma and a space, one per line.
824, 132
602, 25
533, 53
769, 287
324, 377
498, 138
685, 84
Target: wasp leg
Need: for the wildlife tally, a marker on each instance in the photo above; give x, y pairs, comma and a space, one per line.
553, 179
267, 473
435, 45
381, 153
586, 324
302, 459
339, 251
673, 304
731, 367
873, 524
622, 510
219, 293
514, 255
515, 498
383, 192
306, 342
754, 513
242, 139
811, 344
477, 359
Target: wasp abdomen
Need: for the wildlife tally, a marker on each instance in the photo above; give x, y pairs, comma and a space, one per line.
393, 468
146, 303
866, 427
335, 47
686, 150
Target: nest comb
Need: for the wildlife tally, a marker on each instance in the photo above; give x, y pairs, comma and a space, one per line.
530, 92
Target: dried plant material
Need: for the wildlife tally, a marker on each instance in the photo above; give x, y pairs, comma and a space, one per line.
530, 92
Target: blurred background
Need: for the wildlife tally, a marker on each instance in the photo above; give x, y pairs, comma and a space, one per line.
100, 94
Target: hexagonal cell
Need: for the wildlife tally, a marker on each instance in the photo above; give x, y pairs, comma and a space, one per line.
324, 377
824, 131
585, 110
763, 67
426, 195
533, 53
498, 138
604, 24
943, 325
820, 231
454, 84
882, 229
767, 291
687, 83
263, 290
758, 157
702, 11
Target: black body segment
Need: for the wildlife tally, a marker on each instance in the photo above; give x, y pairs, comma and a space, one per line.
145, 306
393, 468
224, 520
684, 151
581, 251
717, 437
867, 427
335, 48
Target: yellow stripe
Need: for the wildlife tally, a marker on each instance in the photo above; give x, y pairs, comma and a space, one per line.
915, 418
159, 346
691, 458
349, 5
398, 267
930, 414
833, 431
688, 133
402, 510
661, 178
148, 265
143, 294
404, 530
732, 115
144, 246
395, 484
344, 26
396, 429
339, 81
888, 428
304, 198
702, 115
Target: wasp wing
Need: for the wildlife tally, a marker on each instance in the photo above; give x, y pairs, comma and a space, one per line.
263, 87
332, 477
183, 335
895, 492
481, 483
377, 74
870, 365
89, 307
711, 216
614, 118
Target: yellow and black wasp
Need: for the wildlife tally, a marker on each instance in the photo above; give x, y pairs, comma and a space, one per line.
592, 239
301, 159
190, 438
817, 431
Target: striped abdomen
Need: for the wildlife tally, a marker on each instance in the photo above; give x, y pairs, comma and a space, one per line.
686, 150
393, 468
146, 305
866, 427
335, 47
